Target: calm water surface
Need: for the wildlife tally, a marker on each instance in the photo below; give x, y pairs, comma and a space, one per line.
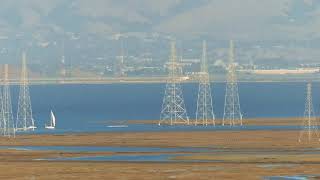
84, 108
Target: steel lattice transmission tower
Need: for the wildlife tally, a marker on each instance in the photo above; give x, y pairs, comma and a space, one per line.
309, 124
25, 119
232, 112
173, 108
6, 114
204, 114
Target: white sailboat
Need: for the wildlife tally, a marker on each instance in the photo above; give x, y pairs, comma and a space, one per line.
52, 122
118, 124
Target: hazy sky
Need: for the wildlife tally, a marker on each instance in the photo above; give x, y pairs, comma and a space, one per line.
220, 19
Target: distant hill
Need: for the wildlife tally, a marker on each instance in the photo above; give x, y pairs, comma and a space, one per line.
245, 19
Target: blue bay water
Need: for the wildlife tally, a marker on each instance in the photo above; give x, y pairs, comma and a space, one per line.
92, 107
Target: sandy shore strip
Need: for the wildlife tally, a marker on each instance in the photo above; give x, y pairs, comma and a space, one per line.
294, 121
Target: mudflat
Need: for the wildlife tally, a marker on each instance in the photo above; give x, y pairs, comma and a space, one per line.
210, 139
142, 171
229, 155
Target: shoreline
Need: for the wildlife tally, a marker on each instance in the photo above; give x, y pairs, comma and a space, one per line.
288, 121
155, 80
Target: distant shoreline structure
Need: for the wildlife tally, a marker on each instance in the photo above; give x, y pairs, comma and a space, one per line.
258, 78
282, 71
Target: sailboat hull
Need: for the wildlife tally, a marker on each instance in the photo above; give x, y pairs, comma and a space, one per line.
25, 129
50, 127
118, 126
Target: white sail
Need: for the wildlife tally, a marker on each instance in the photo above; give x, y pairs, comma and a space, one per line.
52, 123
53, 120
